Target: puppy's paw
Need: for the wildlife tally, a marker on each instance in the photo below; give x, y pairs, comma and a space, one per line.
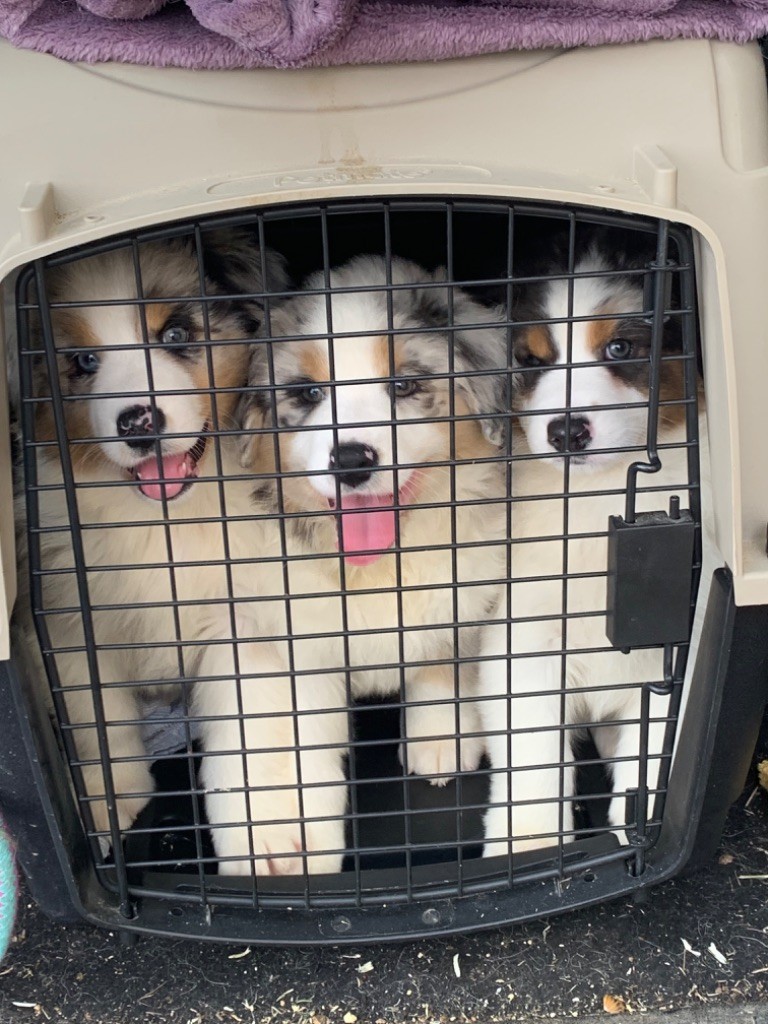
433, 749
276, 851
133, 782
502, 849
260, 831
440, 760
528, 832
617, 818
279, 849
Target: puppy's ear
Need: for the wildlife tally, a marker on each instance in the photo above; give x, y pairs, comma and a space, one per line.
234, 265
257, 407
254, 411
481, 353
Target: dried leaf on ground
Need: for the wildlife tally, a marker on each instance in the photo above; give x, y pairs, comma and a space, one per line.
613, 1004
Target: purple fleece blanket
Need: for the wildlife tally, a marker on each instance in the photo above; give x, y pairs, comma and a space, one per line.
308, 33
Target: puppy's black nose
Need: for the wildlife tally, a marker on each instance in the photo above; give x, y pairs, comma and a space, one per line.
357, 462
135, 423
571, 436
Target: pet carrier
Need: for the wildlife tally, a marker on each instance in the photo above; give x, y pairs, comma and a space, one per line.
311, 662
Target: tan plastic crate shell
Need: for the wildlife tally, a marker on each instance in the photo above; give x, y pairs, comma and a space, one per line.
668, 129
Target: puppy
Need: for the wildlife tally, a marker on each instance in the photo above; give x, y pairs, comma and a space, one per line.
584, 456
374, 551
144, 400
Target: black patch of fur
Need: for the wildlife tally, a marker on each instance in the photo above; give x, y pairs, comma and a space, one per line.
249, 324
427, 308
223, 260
233, 264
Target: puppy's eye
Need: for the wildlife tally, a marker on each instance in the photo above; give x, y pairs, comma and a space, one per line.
86, 362
405, 387
311, 395
529, 359
175, 334
619, 348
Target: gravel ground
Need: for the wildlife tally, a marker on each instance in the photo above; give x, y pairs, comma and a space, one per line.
699, 945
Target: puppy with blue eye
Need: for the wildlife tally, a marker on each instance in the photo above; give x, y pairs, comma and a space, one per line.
581, 395
146, 388
379, 546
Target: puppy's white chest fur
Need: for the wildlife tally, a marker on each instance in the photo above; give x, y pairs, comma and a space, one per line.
555, 669
400, 610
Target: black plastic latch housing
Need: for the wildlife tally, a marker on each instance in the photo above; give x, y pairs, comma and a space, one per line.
650, 578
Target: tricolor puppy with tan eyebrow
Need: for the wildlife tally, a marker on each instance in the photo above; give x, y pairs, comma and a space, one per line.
148, 379
105, 361
600, 402
582, 356
387, 405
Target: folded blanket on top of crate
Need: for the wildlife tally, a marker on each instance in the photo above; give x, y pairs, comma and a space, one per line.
297, 33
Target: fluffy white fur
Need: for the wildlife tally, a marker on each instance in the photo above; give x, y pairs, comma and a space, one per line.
599, 686
312, 713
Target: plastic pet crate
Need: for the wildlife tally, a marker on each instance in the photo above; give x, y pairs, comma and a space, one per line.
483, 168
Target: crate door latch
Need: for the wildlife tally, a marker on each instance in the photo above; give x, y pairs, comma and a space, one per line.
650, 578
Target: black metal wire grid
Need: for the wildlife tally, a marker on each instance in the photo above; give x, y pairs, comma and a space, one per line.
404, 839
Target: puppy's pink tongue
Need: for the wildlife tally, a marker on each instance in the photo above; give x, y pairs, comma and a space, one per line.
367, 526
169, 475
